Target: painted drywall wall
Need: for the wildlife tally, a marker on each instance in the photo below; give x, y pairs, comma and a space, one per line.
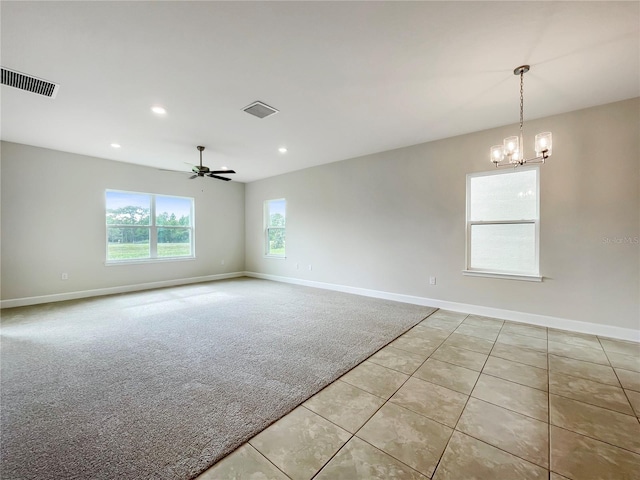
389, 221
53, 221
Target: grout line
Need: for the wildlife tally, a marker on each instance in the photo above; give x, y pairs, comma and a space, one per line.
595, 439
548, 406
503, 450
267, 459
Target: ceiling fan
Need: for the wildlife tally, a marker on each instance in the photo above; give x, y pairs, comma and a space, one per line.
201, 171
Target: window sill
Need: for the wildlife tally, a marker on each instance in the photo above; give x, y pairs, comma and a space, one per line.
505, 276
276, 257
139, 261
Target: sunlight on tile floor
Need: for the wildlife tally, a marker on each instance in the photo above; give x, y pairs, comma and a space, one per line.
463, 397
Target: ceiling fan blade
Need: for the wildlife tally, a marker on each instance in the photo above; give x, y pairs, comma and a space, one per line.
225, 172
219, 178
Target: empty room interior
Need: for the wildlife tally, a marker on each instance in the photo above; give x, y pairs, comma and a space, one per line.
320, 240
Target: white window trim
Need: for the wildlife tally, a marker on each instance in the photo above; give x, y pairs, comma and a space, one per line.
266, 228
472, 272
153, 230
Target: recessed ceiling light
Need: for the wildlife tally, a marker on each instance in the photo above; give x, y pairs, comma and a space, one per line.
115, 145
282, 149
158, 110
224, 167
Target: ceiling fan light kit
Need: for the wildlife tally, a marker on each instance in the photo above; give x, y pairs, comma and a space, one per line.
511, 152
201, 170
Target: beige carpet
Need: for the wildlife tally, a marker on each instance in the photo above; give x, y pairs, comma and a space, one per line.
161, 384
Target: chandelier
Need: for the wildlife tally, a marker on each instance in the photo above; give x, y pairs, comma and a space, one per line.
511, 152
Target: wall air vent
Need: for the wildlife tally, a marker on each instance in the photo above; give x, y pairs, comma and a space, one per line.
260, 110
32, 84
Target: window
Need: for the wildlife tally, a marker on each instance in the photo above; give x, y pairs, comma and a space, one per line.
274, 221
144, 226
503, 223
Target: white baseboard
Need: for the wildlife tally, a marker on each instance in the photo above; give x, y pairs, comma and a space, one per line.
521, 317
58, 297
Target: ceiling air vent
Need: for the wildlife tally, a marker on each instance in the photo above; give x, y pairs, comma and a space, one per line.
260, 110
29, 83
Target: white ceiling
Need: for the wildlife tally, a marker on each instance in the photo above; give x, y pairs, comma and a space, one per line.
349, 78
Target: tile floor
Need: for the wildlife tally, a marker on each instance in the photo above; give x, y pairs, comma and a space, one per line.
460, 398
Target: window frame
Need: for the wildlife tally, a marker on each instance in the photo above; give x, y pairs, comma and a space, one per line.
534, 276
267, 228
153, 228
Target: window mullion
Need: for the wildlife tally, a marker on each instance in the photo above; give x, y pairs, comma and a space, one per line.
153, 230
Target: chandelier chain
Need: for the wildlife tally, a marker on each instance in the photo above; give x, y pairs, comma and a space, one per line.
521, 153
521, 99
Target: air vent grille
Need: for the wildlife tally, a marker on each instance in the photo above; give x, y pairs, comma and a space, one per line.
260, 110
29, 83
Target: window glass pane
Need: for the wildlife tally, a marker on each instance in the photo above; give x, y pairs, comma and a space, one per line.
505, 196
124, 208
276, 241
127, 243
174, 211
504, 248
277, 213
174, 242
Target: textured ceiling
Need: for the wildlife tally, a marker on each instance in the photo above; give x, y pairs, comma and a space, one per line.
349, 78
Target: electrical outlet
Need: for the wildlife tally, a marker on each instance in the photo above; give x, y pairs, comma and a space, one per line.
432, 280
64, 276
221, 262
297, 266
310, 268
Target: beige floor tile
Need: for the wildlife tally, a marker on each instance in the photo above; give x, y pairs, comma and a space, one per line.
345, 405
630, 380
512, 396
555, 476
483, 321
460, 356
448, 375
375, 379
431, 400
475, 344
517, 372
585, 354
524, 329
449, 315
573, 338
486, 332
358, 460
621, 347
581, 369
300, 443
417, 345
245, 462
534, 358
522, 341
624, 361
407, 436
396, 359
578, 457
440, 323
512, 432
435, 335
594, 393
634, 398
469, 459
600, 423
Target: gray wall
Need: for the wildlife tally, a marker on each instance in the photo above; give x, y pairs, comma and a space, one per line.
53, 222
389, 221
